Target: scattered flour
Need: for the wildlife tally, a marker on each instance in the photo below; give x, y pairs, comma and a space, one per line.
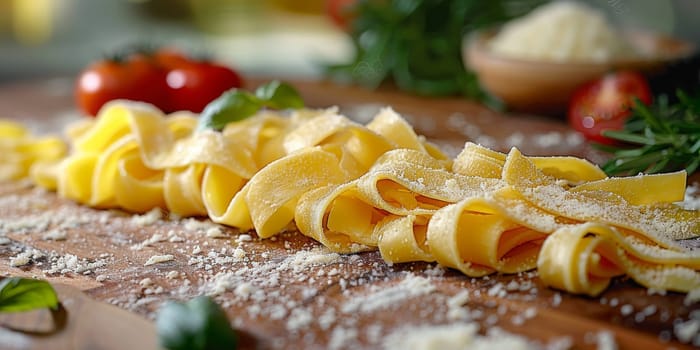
380, 298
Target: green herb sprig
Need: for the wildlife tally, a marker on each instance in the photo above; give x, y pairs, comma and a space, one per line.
238, 104
24, 294
199, 324
417, 44
662, 137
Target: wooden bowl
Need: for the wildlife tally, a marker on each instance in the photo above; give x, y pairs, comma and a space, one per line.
546, 87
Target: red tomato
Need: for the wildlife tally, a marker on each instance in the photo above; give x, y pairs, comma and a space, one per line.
170, 57
192, 85
166, 78
135, 78
340, 12
604, 104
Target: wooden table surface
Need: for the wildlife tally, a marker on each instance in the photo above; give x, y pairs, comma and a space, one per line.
315, 303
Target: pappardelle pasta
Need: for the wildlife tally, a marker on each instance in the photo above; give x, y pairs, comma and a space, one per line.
19, 150
380, 186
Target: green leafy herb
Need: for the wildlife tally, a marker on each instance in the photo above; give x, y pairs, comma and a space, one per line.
417, 44
199, 324
238, 104
278, 95
662, 137
24, 294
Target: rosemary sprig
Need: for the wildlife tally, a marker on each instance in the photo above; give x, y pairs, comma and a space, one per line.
662, 137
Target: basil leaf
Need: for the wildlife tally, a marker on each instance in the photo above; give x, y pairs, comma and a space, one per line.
236, 104
279, 95
231, 106
199, 324
24, 294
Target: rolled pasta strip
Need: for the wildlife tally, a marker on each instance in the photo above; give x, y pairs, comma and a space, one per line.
182, 190
660, 224
236, 213
134, 177
476, 160
480, 161
75, 177
642, 189
314, 131
218, 188
311, 216
406, 182
44, 174
262, 136
283, 181
346, 213
583, 258
392, 126
678, 278
403, 239
19, 150
106, 171
112, 123
207, 147
164, 141
574, 261
475, 237
357, 141
572, 169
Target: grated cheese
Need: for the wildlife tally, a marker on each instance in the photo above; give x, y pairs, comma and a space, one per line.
686, 331
147, 219
605, 340
456, 336
55, 235
692, 297
157, 259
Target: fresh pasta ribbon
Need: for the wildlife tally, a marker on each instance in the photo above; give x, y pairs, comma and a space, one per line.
380, 186
340, 224
479, 161
473, 237
640, 190
283, 182
404, 239
20, 151
583, 259
660, 224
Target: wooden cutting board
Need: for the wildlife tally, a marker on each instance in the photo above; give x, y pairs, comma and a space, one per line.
81, 323
312, 305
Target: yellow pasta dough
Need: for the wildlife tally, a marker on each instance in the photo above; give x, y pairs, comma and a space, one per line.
380, 186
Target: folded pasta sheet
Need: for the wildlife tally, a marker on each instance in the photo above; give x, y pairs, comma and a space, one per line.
380, 186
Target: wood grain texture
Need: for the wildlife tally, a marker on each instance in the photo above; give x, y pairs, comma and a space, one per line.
279, 305
80, 324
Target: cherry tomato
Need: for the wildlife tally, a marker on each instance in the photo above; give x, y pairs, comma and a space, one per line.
604, 104
134, 78
193, 84
340, 12
170, 57
166, 78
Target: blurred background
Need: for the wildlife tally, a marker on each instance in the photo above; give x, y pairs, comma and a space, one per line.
289, 38
271, 37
